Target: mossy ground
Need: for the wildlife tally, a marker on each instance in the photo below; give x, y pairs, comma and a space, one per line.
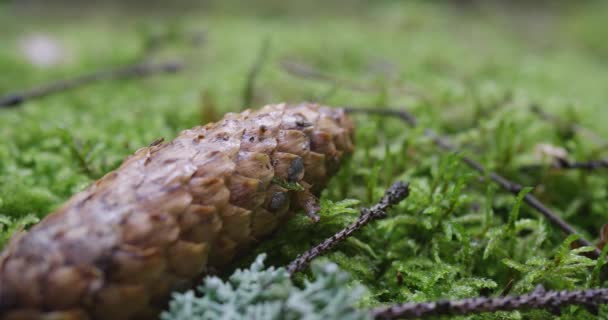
469, 72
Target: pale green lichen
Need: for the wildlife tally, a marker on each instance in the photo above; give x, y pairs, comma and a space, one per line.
269, 294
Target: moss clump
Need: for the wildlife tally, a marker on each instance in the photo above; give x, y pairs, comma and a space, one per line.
472, 77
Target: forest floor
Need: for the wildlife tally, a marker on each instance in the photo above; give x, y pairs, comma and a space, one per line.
478, 75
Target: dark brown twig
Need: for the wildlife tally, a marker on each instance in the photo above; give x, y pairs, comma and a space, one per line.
395, 194
589, 165
136, 70
155, 42
306, 71
551, 300
506, 184
536, 109
565, 164
249, 90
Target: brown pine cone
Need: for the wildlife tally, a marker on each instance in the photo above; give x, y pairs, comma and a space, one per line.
171, 211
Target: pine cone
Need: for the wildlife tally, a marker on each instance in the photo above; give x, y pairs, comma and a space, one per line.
170, 212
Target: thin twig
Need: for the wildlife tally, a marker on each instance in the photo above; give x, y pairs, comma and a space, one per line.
588, 165
539, 299
506, 184
155, 42
260, 60
135, 70
306, 71
536, 109
395, 194
565, 164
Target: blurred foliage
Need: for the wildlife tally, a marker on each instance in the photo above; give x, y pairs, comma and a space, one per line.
468, 71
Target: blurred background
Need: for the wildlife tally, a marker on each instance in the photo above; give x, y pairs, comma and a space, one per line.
454, 63
356, 40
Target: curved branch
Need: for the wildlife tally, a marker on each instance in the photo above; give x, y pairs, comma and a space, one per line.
395, 194
131, 71
538, 299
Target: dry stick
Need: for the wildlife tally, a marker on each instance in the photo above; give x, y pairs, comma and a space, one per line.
395, 194
136, 70
305, 71
249, 89
506, 184
156, 42
564, 164
537, 299
589, 165
536, 109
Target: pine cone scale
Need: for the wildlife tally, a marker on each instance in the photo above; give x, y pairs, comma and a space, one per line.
170, 212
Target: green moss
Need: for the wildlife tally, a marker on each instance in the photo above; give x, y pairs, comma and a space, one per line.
472, 76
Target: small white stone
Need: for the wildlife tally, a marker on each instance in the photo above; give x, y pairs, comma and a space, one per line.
545, 151
42, 50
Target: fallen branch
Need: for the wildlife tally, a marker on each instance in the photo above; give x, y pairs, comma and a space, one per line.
589, 165
536, 109
564, 164
395, 194
306, 71
136, 70
506, 184
542, 299
155, 42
